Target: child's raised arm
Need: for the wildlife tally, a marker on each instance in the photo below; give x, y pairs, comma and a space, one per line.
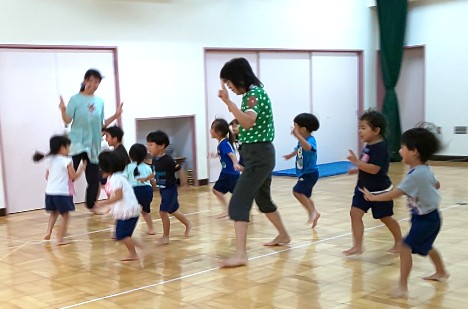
363, 166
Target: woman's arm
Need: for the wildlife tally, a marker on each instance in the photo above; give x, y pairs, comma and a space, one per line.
117, 114
246, 119
63, 111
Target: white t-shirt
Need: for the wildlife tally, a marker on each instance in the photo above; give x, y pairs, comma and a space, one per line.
128, 206
58, 181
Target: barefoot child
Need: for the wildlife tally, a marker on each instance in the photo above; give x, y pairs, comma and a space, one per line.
372, 168
59, 191
139, 174
229, 166
123, 204
306, 163
420, 187
164, 171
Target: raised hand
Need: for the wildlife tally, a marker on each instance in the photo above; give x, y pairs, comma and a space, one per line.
62, 106
119, 110
352, 157
223, 93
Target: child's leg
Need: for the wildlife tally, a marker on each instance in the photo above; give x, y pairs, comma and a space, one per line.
166, 223
149, 222
441, 273
222, 200
62, 229
394, 228
182, 218
130, 244
52, 219
309, 206
406, 263
357, 227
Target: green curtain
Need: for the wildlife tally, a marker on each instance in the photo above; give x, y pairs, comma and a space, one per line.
392, 24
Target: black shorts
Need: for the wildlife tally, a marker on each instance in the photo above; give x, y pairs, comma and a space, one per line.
379, 209
144, 195
169, 199
226, 183
60, 203
305, 183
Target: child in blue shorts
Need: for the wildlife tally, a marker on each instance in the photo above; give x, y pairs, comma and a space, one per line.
59, 191
306, 162
230, 168
372, 167
164, 167
122, 201
420, 187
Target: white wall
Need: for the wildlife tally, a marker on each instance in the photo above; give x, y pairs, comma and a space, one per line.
441, 26
161, 43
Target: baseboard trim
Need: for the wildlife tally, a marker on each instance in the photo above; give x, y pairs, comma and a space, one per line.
2, 212
449, 158
203, 182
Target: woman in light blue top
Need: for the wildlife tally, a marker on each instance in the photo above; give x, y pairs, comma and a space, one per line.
87, 113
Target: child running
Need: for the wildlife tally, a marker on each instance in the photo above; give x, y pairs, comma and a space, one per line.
164, 170
122, 201
60, 175
420, 187
139, 174
229, 166
372, 168
306, 163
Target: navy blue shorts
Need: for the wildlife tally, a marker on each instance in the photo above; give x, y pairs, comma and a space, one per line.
423, 232
226, 183
125, 228
144, 195
169, 202
379, 209
60, 203
305, 183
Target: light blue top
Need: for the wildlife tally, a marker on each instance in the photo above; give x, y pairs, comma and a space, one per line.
419, 185
87, 113
306, 160
144, 171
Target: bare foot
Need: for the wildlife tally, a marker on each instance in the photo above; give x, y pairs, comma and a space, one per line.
151, 233
163, 240
353, 251
395, 249
278, 241
62, 242
222, 216
129, 258
47, 237
437, 277
188, 227
399, 292
314, 222
233, 262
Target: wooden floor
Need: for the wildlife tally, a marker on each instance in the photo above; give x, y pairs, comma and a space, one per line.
309, 273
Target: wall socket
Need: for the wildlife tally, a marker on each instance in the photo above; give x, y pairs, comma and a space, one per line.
460, 130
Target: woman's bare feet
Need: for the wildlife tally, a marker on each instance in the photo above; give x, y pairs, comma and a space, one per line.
164, 240
399, 292
353, 251
279, 240
234, 261
441, 277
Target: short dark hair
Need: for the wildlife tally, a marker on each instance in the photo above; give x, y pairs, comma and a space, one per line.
115, 131
110, 162
422, 140
308, 121
375, 120
240, 73
158, 137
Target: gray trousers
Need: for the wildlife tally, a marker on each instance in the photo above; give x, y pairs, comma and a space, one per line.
255, 182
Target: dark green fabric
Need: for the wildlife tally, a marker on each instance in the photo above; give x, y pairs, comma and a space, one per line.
392, 24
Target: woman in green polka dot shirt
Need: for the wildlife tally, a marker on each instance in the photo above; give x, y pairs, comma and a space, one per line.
256, 134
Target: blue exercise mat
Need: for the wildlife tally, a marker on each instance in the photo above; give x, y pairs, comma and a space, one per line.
327, 169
